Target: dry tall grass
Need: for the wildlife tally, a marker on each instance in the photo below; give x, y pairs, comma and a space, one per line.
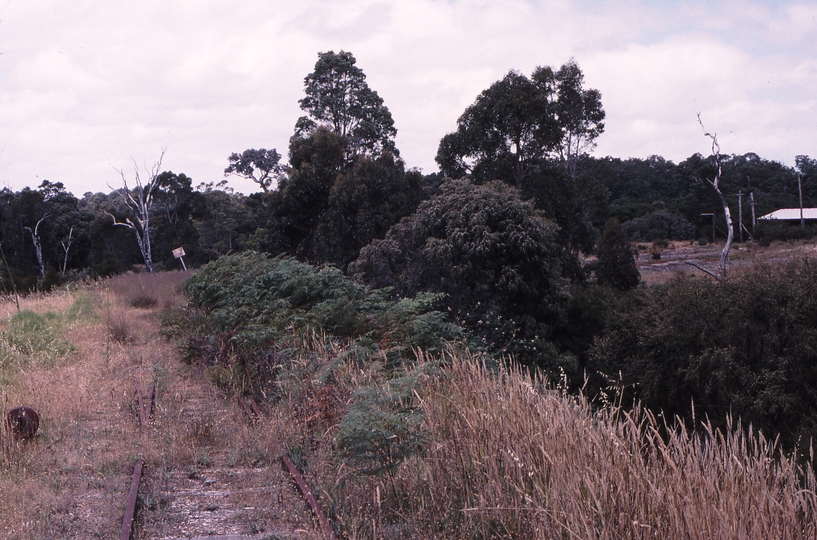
71, 480
524, 462
509, 457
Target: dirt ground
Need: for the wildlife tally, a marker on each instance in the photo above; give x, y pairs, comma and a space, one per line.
208, 471
675, 258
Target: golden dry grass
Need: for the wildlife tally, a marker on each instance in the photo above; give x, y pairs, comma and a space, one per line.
71, 481
509, 457
526, 462
71, 478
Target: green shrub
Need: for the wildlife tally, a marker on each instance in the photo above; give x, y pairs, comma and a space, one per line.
743, 346
245, 307
382, 427
661, 225
81, 309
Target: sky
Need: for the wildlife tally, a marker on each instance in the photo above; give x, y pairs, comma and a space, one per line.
90, 88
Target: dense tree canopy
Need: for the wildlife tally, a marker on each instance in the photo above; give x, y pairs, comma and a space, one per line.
338, 97
519, 122
262, 166
616, 265
504, 135
578, 110
493, 255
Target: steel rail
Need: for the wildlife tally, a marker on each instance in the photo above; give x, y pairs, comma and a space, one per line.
145, 407
253, 411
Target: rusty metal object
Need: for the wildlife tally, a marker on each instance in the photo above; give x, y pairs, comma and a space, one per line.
145, 404
246, 406
310, 498
253, 411
23, 422
133, 495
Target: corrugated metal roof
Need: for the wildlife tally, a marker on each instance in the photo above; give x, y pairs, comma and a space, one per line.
791, 214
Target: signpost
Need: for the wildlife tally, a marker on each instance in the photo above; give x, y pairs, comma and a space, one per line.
179, 254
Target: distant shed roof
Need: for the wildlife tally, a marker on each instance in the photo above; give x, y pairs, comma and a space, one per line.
791, 214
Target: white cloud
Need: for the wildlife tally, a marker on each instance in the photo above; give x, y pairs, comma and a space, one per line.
90, 84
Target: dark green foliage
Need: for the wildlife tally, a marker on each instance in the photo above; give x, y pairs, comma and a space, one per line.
337, 96
362, 205
302, 198
382, 426
743, 346
261, 166
176, 207
226, 222
585, 318
659, 225
518, 123
257, 298
615, 265
492, 254
579, 113
768, 231
639, 187
510, 127
246, 303
577, 205
327, 209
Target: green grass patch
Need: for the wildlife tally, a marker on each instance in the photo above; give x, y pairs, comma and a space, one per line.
82, 309
29, 336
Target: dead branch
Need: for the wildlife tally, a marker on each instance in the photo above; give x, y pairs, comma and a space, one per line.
702, 269
38, 246
139, 201
730, 233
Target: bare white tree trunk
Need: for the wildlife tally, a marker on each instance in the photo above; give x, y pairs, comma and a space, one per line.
730, 232
66, 245
38, 246
139, 201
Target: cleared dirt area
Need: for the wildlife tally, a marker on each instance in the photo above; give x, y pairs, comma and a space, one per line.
77, 358
674, 258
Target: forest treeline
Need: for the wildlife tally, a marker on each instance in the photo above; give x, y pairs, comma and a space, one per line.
500, 237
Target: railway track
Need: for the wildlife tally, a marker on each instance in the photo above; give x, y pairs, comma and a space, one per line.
207, 472
213, 488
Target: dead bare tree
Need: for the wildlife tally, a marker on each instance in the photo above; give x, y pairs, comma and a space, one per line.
66, 245
139, 201
730, 232
38, 246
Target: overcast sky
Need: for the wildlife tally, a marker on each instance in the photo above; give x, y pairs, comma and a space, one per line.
87, 86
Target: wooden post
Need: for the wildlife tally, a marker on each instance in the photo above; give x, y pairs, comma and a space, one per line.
752, 203
740, 213
800, 192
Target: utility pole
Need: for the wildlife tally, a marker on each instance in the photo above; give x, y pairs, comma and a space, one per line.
800, 191
754, 220
740, 213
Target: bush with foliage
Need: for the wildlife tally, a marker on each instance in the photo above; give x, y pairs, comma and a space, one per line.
491, 253
247, 306
660, 225
615, 265
744, 346
768, 231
